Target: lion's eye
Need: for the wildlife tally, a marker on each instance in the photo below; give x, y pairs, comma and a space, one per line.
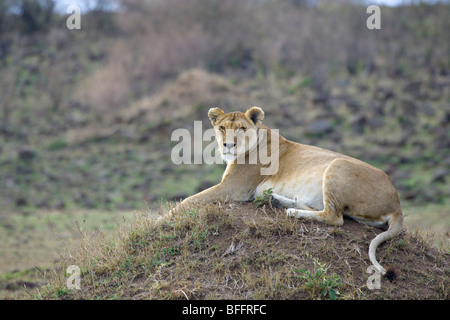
222, 128
242, 128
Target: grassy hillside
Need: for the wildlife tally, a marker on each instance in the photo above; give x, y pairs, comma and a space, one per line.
119, 163
86, 116
235, 251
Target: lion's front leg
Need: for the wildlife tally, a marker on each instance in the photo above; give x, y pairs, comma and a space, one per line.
214, 194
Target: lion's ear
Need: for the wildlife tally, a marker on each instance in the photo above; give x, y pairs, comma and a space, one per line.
213, 114
255, 114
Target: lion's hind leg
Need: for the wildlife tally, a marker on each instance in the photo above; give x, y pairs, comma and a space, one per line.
322, 216
280, 202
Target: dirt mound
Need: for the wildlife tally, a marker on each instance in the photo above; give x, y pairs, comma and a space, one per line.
177, 105
235, 251
188, 97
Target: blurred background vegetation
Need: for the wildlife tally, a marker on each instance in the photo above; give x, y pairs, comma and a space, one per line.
86, 115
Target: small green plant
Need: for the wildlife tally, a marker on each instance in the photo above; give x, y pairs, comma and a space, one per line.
264, 198
173, 251
192, 213
317, 280
60, 292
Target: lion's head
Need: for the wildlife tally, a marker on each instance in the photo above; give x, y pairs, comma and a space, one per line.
236, 132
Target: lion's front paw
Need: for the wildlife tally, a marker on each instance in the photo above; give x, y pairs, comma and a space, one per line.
275, 203
291, 212
166, 216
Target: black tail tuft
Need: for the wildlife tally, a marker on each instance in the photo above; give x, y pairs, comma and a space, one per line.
391, 274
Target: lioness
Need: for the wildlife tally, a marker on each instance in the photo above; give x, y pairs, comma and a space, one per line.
309, 182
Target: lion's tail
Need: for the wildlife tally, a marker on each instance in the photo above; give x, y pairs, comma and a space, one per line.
395, 227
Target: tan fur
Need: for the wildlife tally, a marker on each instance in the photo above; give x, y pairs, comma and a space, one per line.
310, 182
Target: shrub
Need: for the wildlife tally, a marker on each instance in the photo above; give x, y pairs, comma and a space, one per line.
36, 15
318, 281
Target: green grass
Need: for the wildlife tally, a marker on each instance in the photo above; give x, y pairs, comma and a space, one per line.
32, 241
431, 219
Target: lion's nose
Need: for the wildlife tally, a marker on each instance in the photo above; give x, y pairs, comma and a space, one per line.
229, 145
